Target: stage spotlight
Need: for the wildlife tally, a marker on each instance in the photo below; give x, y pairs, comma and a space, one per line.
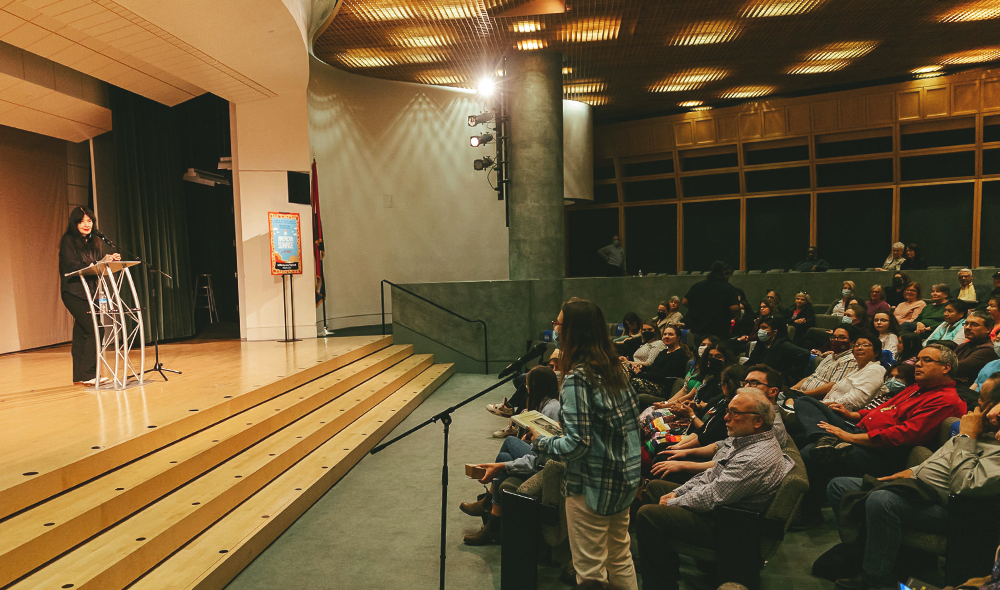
480, 119
483, 164
487, 86
478, 140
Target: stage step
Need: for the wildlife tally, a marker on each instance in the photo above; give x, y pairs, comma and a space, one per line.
212, 560
276, 435
33, 537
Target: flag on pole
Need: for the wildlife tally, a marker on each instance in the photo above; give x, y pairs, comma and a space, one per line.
319, 251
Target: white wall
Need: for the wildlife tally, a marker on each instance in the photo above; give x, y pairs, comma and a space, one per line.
399, 197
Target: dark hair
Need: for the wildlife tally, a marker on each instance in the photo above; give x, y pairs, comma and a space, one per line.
905, 371
656, 329
777, 296
543, 385
919, 289
727, 355
713, 342
860, 314
912, 344
985, 316
588, 349
916, 250
993, 382
777, 324
770, 307
903, 275
893, 323
876, 345
677, 331
958, 305
731, 377
631, 317
774, 378
719, 271
75, 217
852, 331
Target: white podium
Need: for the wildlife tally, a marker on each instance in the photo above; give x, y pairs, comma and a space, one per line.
122, 324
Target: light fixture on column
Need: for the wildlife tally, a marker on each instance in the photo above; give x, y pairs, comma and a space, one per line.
487, 86
478, 140
480, 119
484, 163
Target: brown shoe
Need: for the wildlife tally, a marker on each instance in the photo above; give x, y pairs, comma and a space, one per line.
488, 535
477, 508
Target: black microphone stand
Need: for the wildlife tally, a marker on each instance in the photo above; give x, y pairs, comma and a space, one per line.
445, 418
157, 365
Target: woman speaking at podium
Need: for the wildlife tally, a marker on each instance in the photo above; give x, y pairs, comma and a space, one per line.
78, 249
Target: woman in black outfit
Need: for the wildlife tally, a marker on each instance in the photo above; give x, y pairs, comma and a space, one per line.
914, 261
78, 249
774, 350
653, 383
802, 317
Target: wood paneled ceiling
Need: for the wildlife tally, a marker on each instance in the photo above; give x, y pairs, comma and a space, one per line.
634, 58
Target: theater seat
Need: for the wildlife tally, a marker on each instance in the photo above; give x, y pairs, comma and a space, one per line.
534, 511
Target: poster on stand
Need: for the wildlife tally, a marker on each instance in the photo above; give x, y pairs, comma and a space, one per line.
286, 243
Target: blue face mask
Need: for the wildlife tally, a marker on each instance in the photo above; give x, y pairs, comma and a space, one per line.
762, 335
847, 320
845, 292
895, 386
555, 335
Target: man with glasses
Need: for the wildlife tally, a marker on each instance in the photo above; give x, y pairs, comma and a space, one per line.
974, 354
746, 472
835, 365
974, 295
876, 442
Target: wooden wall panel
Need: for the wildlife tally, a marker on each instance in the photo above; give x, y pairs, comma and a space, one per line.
936, 102
642, 137
728, 129
704, 131
824, 116
683, 133
965, 98
909, 104
991, 95
750, 125
852, 112
798, 119
604, 146
663, 136
880, 108
774, 122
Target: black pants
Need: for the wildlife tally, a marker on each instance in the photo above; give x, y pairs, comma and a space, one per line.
84, 341
656, 525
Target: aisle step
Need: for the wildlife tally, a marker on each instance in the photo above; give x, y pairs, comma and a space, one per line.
212, 560
33, 537
121, 554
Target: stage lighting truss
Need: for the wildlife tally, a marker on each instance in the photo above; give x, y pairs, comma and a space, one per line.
484, 163
485, 117
480, 140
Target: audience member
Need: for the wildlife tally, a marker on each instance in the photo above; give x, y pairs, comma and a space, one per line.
875, 442
774, 350
993, 308
775, 299
885, 513
897, 378
600, 445
746, 324
645, 354
672, 314
974, 295
517, 402
802, 317
953, 327
912, 344
855, 315
631, 328
712, 304
884, 324
914, 260
987, 371
894, 292
812, 263
854, 390
846, 294
910, 308
835, 365
714, 359
977, 352
693, 379
515, 457
614, 258
895, 258
876, 300
747, 470
712, 427
653, 382
931, 315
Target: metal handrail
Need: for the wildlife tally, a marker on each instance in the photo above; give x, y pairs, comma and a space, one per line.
486, 347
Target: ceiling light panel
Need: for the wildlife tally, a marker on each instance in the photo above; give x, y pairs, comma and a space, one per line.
926, 69
973, 56
390, 10
590, 29
689, 80
365, 58
690, 103
748, 92
705, 33
702, 108
972, 11
767, 8
532, 44
585, 87
928, 75
420, 40
818, 67
527, 26
592, 99
842, 51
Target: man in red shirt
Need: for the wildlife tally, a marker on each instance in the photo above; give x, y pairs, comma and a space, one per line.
876, 442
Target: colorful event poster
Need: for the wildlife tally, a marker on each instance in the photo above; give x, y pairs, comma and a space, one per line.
286, 243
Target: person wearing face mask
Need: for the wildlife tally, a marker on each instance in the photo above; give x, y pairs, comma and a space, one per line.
897, 378
856, 316
653, 382
978, 351
774, 349
953, 326
712, 363
694, 378
614, 258
652, 345
834, 366
894, 292
846, 295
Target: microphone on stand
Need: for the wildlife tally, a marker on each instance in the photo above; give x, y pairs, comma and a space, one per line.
103, 237
516, 366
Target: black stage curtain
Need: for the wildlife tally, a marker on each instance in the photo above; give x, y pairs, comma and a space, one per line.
152, 217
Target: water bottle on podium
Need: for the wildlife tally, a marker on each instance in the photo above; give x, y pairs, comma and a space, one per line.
103, 304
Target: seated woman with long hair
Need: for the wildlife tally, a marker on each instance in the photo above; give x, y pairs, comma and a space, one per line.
802, 316
698, 372
515, 457
652, 345
885, 325
653, 383
775, 350
631, 338
912, 304
847, 293
715, 360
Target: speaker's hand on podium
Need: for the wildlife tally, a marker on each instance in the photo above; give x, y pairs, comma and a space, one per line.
112, 257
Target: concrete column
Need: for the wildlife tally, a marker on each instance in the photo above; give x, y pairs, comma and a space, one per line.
535, 150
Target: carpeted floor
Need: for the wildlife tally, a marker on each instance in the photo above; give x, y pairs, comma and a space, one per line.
378, 528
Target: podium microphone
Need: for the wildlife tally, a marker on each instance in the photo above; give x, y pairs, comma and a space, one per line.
104, 238
516, 366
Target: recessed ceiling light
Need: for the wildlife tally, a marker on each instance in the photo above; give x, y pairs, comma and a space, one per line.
567, 71
423, 57
818, 67
365, 59
748, 92
690, 103
973, 56
842, 50
592, 99
704, 33
765, 8
591, 29
527, 26
366, 12
440, 80
702, 108
584, 87
383, 10
928, 75
531, 44
971, 11
926, 69
421, 41
688, 80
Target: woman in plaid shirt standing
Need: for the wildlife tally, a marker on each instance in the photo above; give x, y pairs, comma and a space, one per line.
600, 445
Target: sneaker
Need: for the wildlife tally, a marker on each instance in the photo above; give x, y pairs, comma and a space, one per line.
510, 430
502, 410
831, 453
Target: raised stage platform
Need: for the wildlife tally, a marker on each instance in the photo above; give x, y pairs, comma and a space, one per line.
96, 487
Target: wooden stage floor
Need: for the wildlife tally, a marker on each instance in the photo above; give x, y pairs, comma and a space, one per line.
54, 435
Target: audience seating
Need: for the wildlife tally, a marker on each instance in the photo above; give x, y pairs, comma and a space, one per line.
775, 271
534, 517
826, 321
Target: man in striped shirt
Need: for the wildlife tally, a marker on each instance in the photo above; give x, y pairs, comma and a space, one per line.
747, 470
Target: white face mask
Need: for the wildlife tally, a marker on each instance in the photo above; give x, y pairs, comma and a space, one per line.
996, 347
701, 350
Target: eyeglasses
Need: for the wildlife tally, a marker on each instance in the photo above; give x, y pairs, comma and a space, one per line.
734, 412
923, 360
863, 345
556, 323
753, 383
